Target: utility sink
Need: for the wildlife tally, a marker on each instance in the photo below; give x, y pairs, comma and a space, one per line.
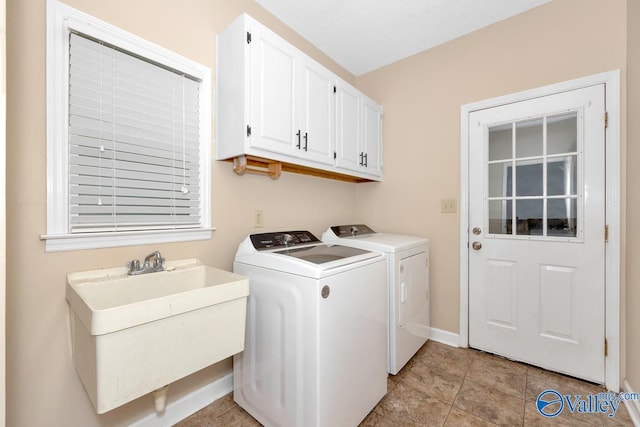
132, 335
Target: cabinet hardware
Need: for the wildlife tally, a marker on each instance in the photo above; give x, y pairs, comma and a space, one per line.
306, 141
366, 161
298, 135
248, 37
248, 130
361, 159
335, 155
334, 89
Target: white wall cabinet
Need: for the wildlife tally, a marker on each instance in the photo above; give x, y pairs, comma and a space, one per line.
276, 103
358, 131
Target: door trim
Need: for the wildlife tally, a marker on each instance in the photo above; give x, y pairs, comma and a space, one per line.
611, 80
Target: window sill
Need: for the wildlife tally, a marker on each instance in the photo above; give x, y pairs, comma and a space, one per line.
73, 242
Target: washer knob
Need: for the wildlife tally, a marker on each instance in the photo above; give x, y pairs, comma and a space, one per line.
286, 239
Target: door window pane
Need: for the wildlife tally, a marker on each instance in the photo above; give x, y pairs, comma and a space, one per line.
562, 176
529, 138
528, 179
562, 134
499, 180
500, 142
529, 220
500, 217
562, 217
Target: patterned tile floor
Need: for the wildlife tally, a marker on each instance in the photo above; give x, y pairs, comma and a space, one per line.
447, 386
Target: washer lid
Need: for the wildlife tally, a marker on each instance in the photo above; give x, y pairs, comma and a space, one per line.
364, 237
321, 254
301, 253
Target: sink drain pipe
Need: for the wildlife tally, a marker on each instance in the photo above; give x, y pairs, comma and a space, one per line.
160, 398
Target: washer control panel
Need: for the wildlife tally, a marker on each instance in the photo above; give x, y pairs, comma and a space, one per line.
282, 239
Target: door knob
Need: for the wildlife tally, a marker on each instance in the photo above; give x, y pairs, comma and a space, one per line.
476, 245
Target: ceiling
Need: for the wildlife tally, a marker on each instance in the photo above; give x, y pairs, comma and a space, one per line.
362, 35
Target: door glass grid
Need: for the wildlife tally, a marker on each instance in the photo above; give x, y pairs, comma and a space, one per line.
532, 177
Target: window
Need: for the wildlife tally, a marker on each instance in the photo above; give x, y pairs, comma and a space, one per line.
128, 134
533, 175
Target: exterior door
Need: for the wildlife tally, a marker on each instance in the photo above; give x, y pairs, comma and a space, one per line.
537, 231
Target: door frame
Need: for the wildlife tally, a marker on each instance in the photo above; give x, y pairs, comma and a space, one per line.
611, 80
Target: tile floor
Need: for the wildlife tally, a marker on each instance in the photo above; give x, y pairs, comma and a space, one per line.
447, 386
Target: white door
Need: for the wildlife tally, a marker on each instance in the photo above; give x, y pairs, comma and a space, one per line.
537, 232
273, 93
414, 296
348, 133
372, 136
317, 113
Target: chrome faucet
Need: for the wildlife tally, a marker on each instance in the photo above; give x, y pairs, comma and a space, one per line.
148, 267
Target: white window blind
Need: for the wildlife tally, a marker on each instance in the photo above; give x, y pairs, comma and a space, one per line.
133, 142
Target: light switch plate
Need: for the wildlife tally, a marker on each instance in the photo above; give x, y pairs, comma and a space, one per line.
258, 218
448, 206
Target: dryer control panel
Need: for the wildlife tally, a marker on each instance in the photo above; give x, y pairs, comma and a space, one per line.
282, 239
352, 230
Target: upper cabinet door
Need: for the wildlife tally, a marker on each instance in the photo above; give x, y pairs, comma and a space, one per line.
348, 128
372, 136
317, 132
273, 93
358, 132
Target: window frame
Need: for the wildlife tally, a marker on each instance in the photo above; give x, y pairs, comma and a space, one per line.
61, 21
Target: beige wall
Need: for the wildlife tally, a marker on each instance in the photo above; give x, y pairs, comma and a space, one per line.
633, 196
422, 95
43, 388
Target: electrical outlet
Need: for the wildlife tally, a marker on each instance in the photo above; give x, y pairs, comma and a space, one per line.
258, 218
448, 206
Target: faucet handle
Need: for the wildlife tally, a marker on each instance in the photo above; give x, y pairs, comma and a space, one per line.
158, 262
133, 265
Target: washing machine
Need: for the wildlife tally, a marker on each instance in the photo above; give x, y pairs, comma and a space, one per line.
408, 285
316, 333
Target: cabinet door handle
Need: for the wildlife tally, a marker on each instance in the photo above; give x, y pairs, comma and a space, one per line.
306, 141
361, 159
366, 160
298, 135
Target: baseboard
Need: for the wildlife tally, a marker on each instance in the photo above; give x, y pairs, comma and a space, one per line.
445, 337
189, 404
633, 406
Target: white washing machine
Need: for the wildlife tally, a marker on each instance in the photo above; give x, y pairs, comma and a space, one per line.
316, 331
408, 285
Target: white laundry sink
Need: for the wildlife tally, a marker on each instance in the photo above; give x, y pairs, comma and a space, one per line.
134, 334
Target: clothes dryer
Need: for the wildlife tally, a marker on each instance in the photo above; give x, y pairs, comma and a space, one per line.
408, 285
